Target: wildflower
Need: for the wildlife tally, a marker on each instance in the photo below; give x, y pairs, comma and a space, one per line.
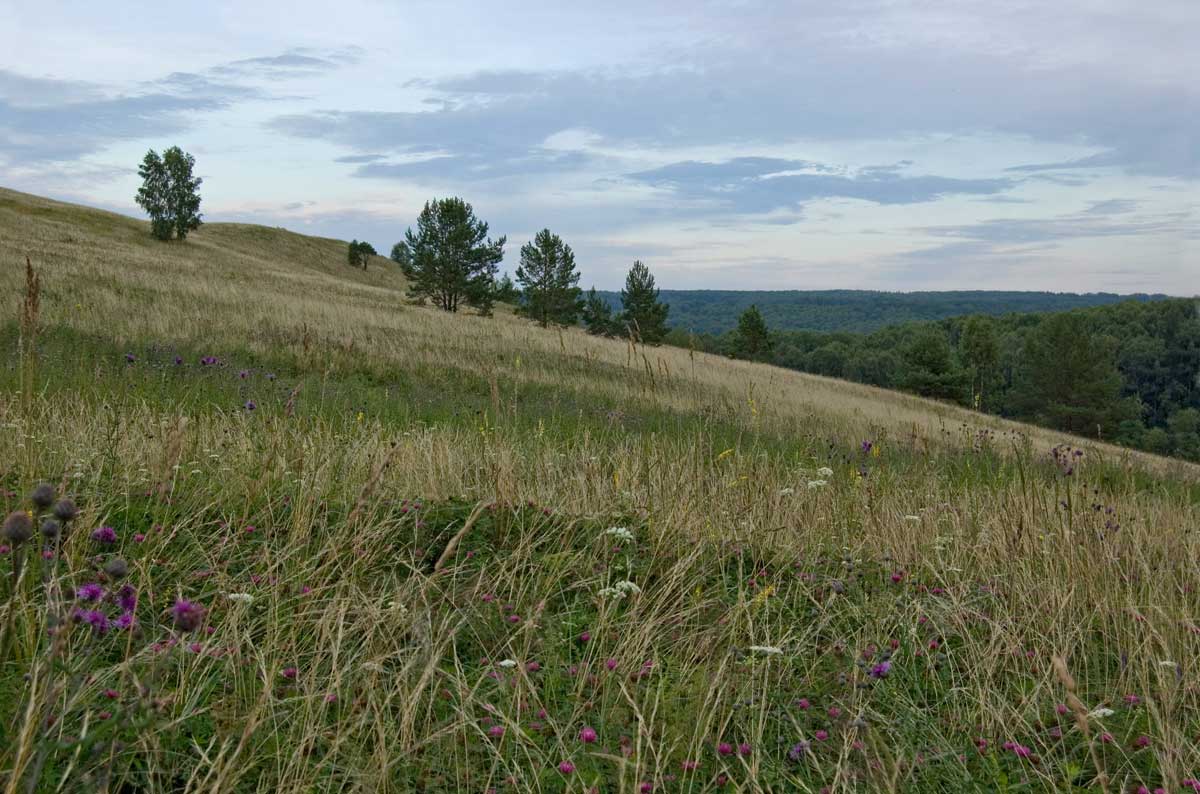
1141, 741
507, 664
821, 735
620, 533
690, 766
130, 358
620, 590
824, 471
289, 673
913, 519
897, 577
815, 484
97, 620
533, 667
514, 618
881, 670
803, 704
1101, 713
187, 615
798, 750
126, 621
90, 592
766, 649
250, 405
566, 767
65, 510
646, 788
587, 735
42, 495
140, 537
241, 598
744, 749
585, 637
1132, 700
331, 698
18, 527
786, 491
496, 731
611, 664
105, 535
725, 748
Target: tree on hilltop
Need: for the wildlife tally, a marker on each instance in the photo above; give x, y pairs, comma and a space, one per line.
359, 253
597, 315
169, 193
453, 261
549, 281
642, 313
752, 340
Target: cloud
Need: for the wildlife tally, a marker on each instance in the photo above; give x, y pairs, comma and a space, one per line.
295, 63
762, 184
360, 158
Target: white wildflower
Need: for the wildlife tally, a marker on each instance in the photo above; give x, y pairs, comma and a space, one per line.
1167, 663
786, 491
914, 519
620, 533
815, 484
241, 598
374, 667
824, 471
620, 590
507, 664
767, 649
1101, 713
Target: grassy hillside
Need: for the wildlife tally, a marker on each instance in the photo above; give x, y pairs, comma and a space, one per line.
359, 545
705, 311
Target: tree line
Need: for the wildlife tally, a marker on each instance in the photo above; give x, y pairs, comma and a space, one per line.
1128, 373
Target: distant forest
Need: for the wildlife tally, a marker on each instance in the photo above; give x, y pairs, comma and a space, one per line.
716, 311
1127, 373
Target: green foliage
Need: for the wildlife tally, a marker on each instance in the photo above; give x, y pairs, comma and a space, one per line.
401, 255
169, 193
549, 281
597, 315
1032, 367
453, 260
860, 311
506, 291
642, 314
752, 340
1068, 377
359, 253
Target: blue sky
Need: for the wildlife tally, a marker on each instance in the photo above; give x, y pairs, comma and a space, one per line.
875, 144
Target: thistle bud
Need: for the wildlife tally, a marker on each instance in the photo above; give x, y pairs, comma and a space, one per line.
65, 510
116, 568
51, 528
18, 527
42, 495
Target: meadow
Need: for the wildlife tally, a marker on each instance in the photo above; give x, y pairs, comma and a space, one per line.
330, 541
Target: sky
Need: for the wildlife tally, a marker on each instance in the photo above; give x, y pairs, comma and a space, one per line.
858, 144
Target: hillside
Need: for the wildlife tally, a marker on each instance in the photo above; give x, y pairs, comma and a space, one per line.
329, 540
716, 311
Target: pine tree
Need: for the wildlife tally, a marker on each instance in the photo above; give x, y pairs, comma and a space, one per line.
549, 281
1069, 378
453, 261
401, 255
752, 340
169, 193
597, 315
642, 314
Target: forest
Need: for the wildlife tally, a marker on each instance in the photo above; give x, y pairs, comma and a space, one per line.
716, 311
1127, 372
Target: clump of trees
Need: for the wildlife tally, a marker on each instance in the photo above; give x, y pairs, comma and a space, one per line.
170, 193
643, 316
752, 340
1127, 372
549, 282
359, 253
450, 259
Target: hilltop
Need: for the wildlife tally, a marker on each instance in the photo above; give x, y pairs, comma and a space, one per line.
330, 540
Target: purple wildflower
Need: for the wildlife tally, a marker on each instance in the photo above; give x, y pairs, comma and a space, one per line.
106, 535
187, 614
127, 598
97, 620
566, 767
881, 670
91, 591
126, 621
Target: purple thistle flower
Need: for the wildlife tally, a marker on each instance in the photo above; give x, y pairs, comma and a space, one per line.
104, 535
798, 750
97, 620
725, 748
130, 358
127, 598
187, 615
91, 591
126, 621
566, 767
881, 670
251, 405
587, 735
